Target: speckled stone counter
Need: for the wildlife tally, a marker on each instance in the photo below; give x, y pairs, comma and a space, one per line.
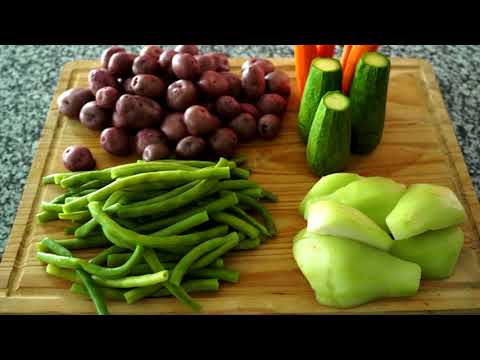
29, 75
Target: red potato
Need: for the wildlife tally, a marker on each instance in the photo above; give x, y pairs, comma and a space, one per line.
213, 84
137, 112
156, 152
272, 104
269, 126
185, 66
251, 109
71, 101
278, 83
147, 137
149, 86
94, 117
199, 121
266, 65
189, 49
120, 64
107, 97
253, 82
108, 53
100, 78
206, 62
165, 61
127, 86
235, 84
145, 64
191, 147
115, 141
221, 61
78, 158
223, 142
245, 126
181, 94
152, 51
227, 107
174, 128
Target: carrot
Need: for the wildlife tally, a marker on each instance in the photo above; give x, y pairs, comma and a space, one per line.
325, 50
304, 54
345, 52
356, 52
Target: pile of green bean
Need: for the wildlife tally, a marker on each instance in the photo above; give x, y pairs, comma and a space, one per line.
162, 228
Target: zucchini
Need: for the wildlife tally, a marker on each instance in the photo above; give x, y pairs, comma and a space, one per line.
325, 75
368, 96
328, 148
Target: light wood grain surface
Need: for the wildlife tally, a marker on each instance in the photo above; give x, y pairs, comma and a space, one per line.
419, 145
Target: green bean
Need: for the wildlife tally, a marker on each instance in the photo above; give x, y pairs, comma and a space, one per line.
207, 259
129, 224
83, 215
112, 199
175, 243
60, 261
133, 196
254, 204
56, 248
60, 198
202, 163
165, 176
218, 263
49, 179
236, 223
250, 219
269, 196
154, 186
95, 294
102, 256
135, 168
133, 281
58, 208
142, 269
199, 191
45, 216
197, 285
116, 272
215, 206
183, 225
84, 192
192, 256
119, 259
65, 274
228, 275
92, 241
70, 199
239, 173
70, 230
108, 293
248, 244
94, 184
86, 229
82, 178
157, 199
237, 184
256, 193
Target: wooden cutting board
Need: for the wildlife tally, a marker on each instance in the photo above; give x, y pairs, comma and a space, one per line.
419, 145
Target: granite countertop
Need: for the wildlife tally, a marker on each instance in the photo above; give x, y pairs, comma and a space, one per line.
30, 73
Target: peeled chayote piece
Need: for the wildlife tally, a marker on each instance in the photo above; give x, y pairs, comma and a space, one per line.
422, 208
328, 217
374, 196
325, 186
345, 273
436, 252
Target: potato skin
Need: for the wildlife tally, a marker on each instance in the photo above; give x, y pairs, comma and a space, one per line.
152, 51
94, 117
223, 142
137, 112
253, 82
100, 78
245, 126
181, 94
120, 64
185, 66
115, 141
71, 101
154, 152
227, 107
266, 65
269, 126
146, 64
206, 62
251, 109
147, 137
235, 84
191, 147
278, 83
213, 84
148, 86
199, 121
78, 158
165, 62
107, 97
174, 128
272, 104
108, 53
188, 49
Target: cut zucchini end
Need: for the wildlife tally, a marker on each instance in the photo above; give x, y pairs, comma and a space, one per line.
327, 64
376, 59
336, 101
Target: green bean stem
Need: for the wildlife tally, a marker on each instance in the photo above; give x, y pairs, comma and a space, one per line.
65, 274
79, 216
239, 173
45, 216
55, 247
82, 178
